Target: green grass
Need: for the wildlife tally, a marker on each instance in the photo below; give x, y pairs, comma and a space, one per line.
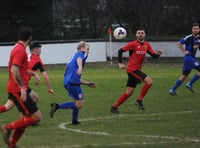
167, 122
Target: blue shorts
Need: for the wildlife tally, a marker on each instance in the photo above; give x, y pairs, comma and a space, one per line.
190, 63
74, 91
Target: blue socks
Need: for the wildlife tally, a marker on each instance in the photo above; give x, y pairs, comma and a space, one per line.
67, 105
71, 105
177, 84
75, 114
194, 79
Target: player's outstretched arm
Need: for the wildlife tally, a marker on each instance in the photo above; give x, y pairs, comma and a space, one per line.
122, 66
159, 52
15, 72
35, 75
47, 82
90, 84
80, 66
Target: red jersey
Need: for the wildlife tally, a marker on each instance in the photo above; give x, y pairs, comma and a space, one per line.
35, 63
34, 60
18, 56
137, 51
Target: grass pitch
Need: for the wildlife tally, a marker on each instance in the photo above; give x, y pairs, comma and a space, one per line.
167, 122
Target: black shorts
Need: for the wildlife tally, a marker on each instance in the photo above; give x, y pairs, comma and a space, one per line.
29, 90
135, 77
27, 107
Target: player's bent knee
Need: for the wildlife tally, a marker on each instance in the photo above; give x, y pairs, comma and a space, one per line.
148, 80
37, 116
9, 105
34, 96
79, 104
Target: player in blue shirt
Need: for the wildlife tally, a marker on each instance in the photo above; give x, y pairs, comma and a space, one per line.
192, 43
73, 81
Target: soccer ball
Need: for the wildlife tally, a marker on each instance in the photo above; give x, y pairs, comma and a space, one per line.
119, 33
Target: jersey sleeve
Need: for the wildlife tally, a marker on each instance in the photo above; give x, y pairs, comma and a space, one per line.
17, 58
182, 41
39, 66
129, 46
151, 51
82, 56
185, 39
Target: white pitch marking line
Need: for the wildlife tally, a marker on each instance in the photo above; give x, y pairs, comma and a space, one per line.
138, 115
63, 126
119, 144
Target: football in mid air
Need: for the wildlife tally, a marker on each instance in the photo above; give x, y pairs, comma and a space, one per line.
119, 33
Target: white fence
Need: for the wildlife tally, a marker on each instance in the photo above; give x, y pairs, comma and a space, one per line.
58, 53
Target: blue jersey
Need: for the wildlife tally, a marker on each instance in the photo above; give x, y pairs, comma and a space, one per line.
70, 75
191, 44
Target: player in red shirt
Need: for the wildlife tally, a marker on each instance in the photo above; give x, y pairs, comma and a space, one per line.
137, 51
17, 88
34, 63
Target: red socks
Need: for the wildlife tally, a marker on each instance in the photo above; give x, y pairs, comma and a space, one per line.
21, 123
2, 108
121, 100
15, 137
19, 126
144, 91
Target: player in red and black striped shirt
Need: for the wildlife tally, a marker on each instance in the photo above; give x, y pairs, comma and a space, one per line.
137, 51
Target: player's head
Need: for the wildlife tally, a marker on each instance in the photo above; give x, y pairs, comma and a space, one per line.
140, 34
83, 46
35, 47
195, 28
25, 34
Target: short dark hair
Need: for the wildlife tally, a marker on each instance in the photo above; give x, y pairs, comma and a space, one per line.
24, 33
140, 28
195, 24
34, 44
